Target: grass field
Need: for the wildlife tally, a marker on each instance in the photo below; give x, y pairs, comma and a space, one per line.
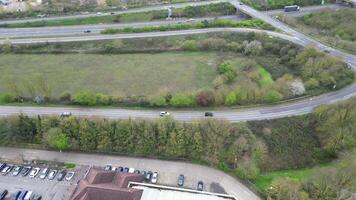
125, 74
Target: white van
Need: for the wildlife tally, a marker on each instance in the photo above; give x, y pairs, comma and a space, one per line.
29, 195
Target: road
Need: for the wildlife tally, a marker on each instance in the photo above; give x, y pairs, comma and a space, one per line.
95, 29
168, 170
233, 115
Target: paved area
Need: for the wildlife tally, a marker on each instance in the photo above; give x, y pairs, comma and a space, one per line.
48, 189
213, 179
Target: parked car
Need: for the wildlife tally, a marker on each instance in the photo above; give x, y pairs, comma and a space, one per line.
66, 114
22, 195
44, 173
181, 180
52, 174
37, 197
200, 186
143, 173
137, 171
164, 113
131, 170
2, 165
69, 176
28, 195
126, 169
17, 170
15, 195
120, 169
7, 170
154, 178
209, 114
148, 176
34, 172
107, 167
61, 175
3, 194
26, 170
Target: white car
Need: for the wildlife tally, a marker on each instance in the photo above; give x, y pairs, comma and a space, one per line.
164, 113
34, 172
52, 174
44, 173
131, 170
69, 176
154, 178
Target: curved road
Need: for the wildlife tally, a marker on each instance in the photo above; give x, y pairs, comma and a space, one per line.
168, 170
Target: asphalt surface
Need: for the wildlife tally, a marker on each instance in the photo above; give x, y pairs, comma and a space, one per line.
168, 170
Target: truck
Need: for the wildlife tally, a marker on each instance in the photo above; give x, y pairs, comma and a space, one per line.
291, 8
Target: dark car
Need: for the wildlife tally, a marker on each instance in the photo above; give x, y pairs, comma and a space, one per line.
2, 166
25, 171
15, 195
87, 31
326, 51
120, 169
137, 171
181, 180
108, 167
126, 170
209, 114
148, 176
200, 186
37, 197
3, 194
61, 175
22, 195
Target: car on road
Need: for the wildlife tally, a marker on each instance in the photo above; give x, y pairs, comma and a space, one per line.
3, 194
190, 20
99, 13
17, 170
34, 172
154, 178
15, 196
181, 180
164, 113
66, 114
240, 3
52, 174
208, 114
61, 175
69, 176
6, 170
148, 176
44, 173
326, 51
26, 170
200, 186
87, 31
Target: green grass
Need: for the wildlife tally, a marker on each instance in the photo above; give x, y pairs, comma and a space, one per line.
264, 181
266, 77
123, 74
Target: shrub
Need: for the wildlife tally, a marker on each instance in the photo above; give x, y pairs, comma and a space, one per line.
181, 100
85, 98
65, 97
272, 96
103, 99
205, 98
7, 98
56, 139
190, 45
230, 98
158, 101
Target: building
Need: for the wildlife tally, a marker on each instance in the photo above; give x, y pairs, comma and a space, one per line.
99, 184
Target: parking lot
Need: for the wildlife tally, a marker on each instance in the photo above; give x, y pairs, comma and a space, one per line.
48, 189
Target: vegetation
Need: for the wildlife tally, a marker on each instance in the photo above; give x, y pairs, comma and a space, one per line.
336, 28
215, 69
217, 9
205, 24
278, 4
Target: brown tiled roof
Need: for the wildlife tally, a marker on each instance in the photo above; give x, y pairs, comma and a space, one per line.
107, 185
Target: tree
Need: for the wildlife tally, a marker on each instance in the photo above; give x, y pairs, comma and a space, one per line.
286, 189
205, 98
230, 98
56, 139
253, 48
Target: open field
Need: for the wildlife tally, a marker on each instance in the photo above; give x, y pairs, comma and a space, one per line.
130, 74
335, 28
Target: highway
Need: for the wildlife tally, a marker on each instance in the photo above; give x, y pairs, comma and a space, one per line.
168, 170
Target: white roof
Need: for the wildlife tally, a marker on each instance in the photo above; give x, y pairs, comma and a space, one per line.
150, 193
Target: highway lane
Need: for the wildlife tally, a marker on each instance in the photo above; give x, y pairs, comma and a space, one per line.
168, 170
95, 29
231, 114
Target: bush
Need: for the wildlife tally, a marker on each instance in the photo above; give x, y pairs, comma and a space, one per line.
230, 99
272, 96
190, 45
205, 98
181, 100
158, 101
7, 98
85, 98
103, 99
56, 139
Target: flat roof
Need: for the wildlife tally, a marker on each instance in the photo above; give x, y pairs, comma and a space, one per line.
157, 192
